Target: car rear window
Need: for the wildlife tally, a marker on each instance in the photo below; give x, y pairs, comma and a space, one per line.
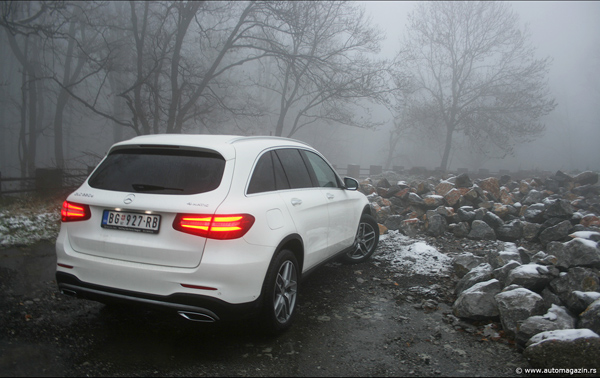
159, 171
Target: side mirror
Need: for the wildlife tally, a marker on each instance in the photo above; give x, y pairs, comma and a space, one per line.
350, 183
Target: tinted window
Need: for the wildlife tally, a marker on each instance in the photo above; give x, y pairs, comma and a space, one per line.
294, 167
326, 177
159, 171
268, 175
263, 178
281, 181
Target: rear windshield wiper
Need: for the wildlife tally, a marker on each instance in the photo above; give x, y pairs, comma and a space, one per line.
152, 188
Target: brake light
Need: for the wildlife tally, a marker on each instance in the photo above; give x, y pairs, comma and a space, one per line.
231, 226
73, 212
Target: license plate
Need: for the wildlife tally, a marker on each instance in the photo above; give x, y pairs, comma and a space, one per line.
126, 221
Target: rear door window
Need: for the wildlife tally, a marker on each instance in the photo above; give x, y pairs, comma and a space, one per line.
294, 167
159, 171
268, 175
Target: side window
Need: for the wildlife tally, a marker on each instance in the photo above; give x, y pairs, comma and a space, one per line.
326, 177
263, 178
281, 181
294, 167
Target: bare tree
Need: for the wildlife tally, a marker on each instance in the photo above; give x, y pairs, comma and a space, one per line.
474, 71
25, 24
174, 61
321, 69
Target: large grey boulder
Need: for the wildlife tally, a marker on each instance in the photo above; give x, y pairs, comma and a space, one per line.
543, 258
578, 252
532, 197
393, 222
559, 209
531, 231
498, 258
556, 318
590, 318
534, 277
567, 349
556, 233
517, 305
465, 214
481, 231
461, 229
534, 213
501, 274
477, 302
464, 262
575, 280
510, 231
482, 272
586, 178
492, 220
463, 181
436, 225
415, 199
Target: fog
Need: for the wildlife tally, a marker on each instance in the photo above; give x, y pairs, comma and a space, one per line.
566, 31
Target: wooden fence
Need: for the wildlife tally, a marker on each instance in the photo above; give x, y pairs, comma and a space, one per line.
45, 181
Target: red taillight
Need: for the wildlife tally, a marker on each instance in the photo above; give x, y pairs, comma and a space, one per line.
231, 226
72, 212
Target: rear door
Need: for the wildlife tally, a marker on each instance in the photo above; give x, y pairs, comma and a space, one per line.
134, 196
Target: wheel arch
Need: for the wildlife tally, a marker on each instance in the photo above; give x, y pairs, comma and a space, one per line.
295, 244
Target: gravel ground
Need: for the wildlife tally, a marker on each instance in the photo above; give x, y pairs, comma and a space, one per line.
373, 319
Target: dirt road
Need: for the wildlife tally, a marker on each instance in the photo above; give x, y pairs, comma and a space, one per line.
360, 320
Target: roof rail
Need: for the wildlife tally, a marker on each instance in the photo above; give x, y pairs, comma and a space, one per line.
266, 137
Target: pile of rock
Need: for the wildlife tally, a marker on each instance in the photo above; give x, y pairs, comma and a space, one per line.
548, 300
490, 209
536, 293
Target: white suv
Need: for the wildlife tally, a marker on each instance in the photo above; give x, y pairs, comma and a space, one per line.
213, 227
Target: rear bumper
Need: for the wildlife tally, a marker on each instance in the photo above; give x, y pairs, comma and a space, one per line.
190, 306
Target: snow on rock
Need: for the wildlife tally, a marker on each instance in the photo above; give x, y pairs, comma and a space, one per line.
562, 335
567, 349
411, 257
591, 235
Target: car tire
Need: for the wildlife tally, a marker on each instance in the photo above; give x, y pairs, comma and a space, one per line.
365, 242
280, 292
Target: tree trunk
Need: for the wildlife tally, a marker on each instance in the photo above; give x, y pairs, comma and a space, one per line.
58, 128
447, 148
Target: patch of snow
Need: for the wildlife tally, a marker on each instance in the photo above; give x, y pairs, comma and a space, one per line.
510, 247
550, 316
584, 234
587, 295
19, 230
562, 335
410, 256
588, 243
532, 269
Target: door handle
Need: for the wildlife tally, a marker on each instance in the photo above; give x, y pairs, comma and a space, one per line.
330, 196
296, 201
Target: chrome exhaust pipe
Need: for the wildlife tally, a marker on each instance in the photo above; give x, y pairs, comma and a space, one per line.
70, 293
197, 317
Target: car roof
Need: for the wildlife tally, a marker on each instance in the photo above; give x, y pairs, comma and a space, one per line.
226, 145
